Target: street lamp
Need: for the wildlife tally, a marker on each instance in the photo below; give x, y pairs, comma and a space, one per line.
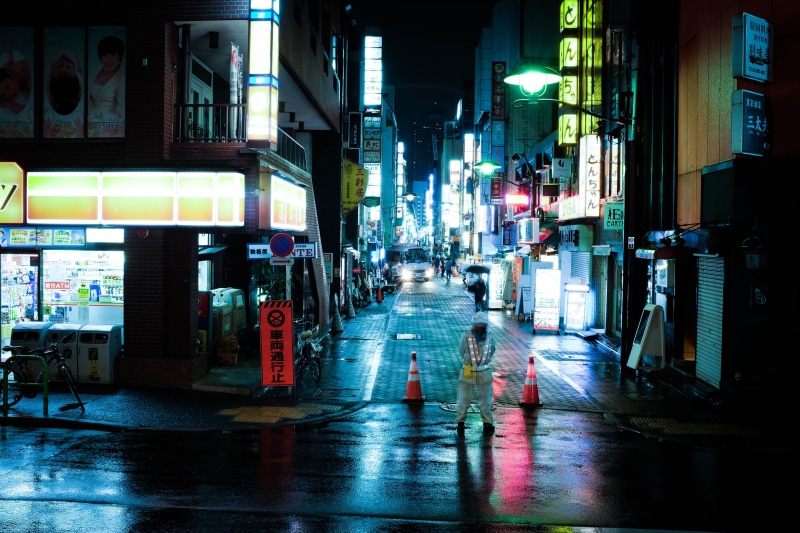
487, 168
532, 79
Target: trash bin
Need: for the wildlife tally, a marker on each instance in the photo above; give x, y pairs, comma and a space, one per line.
223, 319
234, 298
98, 347
68, 349
30, 334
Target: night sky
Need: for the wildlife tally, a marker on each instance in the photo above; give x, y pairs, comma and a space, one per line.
428, 51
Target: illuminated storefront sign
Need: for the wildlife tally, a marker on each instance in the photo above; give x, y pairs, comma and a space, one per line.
589, 174
262, 92
147, 197
287, 205
12, 194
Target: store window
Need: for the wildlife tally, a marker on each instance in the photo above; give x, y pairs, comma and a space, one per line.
83, 286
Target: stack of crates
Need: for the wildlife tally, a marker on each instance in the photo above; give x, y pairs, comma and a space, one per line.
227, 350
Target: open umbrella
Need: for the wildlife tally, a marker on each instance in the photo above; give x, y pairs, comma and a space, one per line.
478, 269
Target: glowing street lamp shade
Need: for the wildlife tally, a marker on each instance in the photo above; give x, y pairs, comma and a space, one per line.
486, 167
532, 79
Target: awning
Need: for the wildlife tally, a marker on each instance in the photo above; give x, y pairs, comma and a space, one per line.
210, 250
554, 239
353, 252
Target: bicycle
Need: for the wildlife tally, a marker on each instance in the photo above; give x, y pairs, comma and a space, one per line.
307, 360
19, 381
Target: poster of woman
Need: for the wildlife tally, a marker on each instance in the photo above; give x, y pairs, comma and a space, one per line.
64, 81
107, 82
17, 82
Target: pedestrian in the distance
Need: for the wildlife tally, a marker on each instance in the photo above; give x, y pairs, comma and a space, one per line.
479, 290
448, 269
476, 350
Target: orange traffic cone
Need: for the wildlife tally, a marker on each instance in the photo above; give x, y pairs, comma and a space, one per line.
379, 294
413, 389
530, 394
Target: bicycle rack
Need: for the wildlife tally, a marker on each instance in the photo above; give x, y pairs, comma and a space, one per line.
43, 385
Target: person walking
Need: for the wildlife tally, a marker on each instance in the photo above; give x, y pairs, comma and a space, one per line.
448, 269
479, 290
476, 350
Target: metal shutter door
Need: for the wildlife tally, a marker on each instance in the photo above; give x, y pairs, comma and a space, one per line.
710, 281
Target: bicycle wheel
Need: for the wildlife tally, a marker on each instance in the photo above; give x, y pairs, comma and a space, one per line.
66, 374
314, 363
19, 382
299, 367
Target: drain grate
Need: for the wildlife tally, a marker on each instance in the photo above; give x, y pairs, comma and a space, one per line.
473, 407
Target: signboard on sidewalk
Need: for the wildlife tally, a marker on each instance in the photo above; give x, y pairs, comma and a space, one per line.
277, 343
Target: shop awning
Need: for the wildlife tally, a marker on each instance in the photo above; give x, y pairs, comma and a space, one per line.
549, 234
210, 250
353, 252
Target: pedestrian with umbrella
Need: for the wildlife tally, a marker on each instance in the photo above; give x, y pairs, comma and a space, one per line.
478, 287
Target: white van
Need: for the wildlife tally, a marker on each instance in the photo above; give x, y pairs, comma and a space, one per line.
409, 262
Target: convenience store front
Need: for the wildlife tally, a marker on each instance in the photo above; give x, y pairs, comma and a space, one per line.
74, 279
64, 250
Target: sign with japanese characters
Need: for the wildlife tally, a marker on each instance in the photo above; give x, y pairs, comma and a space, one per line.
277, 343
752, 48
749, 124
354, 185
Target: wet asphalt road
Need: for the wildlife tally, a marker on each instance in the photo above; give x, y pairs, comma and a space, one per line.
175, 461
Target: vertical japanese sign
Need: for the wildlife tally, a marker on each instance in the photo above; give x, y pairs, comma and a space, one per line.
590, 174
498, 91
497, 190
277, 343
354, 137
354, 185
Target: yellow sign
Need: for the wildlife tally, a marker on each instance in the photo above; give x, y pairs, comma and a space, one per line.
354, 185
11, 193
83, 292
147, 197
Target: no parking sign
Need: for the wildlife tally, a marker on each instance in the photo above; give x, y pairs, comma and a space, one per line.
281, 244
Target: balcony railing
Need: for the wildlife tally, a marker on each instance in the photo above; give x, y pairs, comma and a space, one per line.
210, 123
227, 123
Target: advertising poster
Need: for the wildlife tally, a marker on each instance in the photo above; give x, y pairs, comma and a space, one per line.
64, 83
17, 71
106, 67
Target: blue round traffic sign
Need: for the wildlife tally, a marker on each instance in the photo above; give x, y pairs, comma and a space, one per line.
281, 244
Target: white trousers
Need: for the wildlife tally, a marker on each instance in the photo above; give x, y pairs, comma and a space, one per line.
465, 390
